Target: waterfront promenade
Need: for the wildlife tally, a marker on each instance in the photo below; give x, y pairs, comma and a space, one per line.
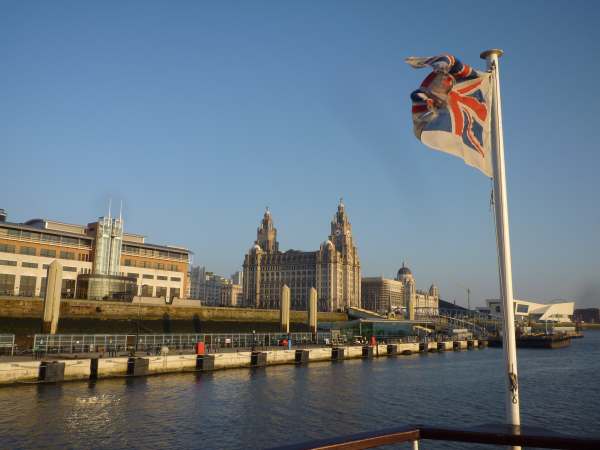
55, 369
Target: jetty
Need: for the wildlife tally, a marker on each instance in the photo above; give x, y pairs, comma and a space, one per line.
64, 367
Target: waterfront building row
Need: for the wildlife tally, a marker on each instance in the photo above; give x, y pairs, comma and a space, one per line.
99, 260
399, 297
215, 290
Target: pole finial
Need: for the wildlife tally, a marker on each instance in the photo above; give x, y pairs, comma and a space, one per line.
493, 51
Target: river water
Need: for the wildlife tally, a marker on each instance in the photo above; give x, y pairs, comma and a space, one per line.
261, 408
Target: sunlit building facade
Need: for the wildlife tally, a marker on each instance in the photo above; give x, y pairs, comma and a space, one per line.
99, 260
333, 270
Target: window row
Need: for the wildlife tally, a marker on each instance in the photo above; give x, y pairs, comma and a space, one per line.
46, 252
45, 237
134, 250
147, 276
151, 265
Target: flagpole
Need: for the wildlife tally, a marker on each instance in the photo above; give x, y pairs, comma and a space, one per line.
503, 241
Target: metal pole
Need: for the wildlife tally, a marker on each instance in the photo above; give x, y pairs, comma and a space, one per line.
503, 242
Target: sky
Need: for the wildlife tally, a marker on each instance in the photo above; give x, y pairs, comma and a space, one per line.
198, 115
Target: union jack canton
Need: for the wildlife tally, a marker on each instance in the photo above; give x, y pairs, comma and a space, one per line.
451, 110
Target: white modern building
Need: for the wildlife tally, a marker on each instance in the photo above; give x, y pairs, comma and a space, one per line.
528, 310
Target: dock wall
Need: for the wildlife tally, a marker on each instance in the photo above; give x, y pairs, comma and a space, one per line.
85, 369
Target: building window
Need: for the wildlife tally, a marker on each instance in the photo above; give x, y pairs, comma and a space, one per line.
162, 277
134, 275
147, 291
5, 262
175, 279
7, 248
7, 284
14, 233
48, 253
27, 286
68, 288
161, 291
45, 266
70, 269
521, 308
67, 255
148, 277
27, 251
50, 237
173, 268
83, 257
174, 292
29, 265
160, 266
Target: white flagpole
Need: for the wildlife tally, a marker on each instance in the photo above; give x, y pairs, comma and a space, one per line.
503, 239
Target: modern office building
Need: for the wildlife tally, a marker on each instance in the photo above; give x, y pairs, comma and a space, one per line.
383, 295
334, 269
99, 260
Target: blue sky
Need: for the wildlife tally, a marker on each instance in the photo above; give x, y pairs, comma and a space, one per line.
198, 115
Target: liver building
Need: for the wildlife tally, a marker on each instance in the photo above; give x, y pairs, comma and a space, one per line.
334, 269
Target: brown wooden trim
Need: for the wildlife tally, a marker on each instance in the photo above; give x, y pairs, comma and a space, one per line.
486, 434
360, 440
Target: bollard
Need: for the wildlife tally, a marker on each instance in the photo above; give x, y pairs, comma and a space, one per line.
205, 362
51, 371
302, 356
337, 353
367, 351
137, 366
392, 350
456, 345
94, 369
258, 359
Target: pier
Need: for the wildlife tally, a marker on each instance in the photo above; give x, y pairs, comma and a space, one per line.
63, 368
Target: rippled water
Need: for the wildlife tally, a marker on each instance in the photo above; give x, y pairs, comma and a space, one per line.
279, 405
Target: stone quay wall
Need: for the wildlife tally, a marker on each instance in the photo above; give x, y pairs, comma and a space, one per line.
19, 372
18, 307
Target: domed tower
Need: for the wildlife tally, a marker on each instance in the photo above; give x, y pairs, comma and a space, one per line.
266, 235
410, 298
404, 274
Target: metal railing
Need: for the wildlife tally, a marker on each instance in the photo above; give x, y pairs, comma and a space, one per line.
114, 343
7, 341
80, 343
489, 434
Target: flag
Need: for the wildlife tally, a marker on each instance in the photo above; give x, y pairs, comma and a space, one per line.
451, 110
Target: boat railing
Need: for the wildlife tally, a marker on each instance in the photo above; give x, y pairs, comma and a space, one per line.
486, 434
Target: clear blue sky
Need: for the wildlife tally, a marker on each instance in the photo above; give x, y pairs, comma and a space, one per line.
199, 114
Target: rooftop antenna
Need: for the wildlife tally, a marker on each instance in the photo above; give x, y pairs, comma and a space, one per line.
109, 206
121, 211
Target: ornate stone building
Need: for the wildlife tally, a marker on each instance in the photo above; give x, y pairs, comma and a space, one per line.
334, 269
384, 295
